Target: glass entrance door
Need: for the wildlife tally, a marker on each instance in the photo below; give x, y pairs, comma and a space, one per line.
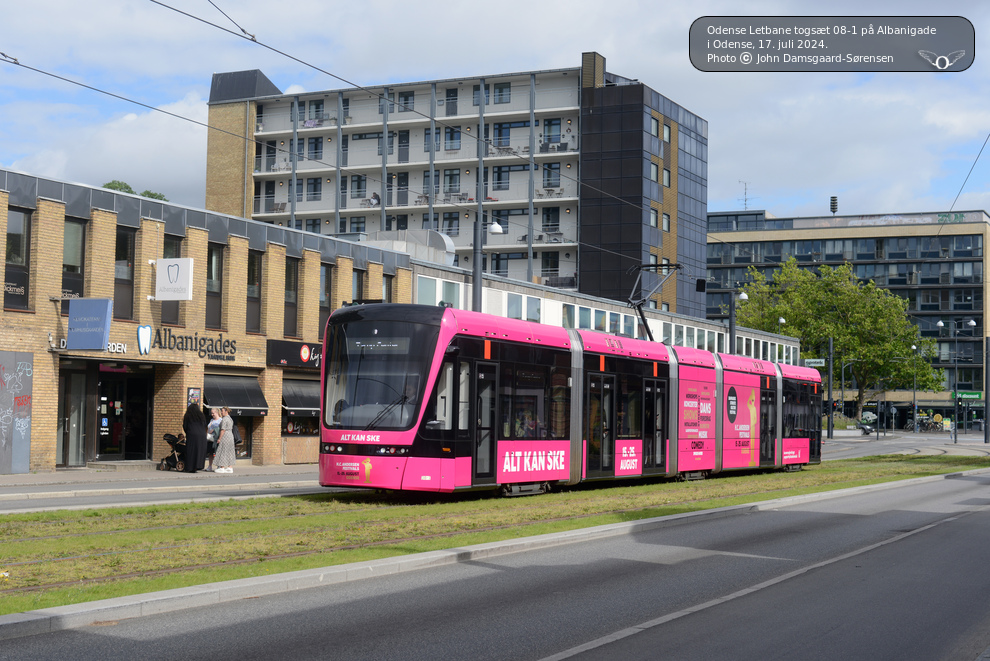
70, 449
123, 418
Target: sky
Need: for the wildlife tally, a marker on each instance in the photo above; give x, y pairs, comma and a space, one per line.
782, 142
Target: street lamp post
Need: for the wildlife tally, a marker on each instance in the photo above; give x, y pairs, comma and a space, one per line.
732, 318
955, 377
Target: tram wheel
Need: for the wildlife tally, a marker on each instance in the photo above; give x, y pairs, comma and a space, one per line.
505, 491
545, 487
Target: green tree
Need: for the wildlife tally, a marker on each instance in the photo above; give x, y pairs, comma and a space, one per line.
121, 186
124, 187
869, 326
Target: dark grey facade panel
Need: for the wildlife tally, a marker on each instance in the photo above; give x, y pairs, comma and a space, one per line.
257, 235
275, 235
311, 241
128, 211
77, 201
329, 250
102, 199
175, 221
151, 209
23, 190
51, 190
217, 228
236, 226
293, 244
196, 219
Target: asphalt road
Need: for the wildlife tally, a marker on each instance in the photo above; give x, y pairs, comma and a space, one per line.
893, 572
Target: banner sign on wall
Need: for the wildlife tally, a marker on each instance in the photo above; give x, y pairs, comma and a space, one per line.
89, 324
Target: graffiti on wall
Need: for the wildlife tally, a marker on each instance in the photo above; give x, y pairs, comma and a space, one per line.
16, 383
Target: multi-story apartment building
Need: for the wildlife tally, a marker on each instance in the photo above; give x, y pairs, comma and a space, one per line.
936, 261
586, 173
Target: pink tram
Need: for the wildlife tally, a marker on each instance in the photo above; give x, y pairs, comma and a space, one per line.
436, 399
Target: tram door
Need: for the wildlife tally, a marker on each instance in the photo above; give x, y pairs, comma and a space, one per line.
768, 424
600, 425
484, 434
655, 425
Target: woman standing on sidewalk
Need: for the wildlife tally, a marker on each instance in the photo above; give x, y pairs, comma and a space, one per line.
194, 425
212, 436
224, 460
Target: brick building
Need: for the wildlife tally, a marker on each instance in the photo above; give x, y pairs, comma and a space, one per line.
249, 338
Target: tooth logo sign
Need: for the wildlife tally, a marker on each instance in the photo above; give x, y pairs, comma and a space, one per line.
144, 339
173, 273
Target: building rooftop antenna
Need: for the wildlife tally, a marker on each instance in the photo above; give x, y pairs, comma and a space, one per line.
746, 197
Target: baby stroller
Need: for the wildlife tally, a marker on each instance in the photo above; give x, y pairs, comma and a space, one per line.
175, 460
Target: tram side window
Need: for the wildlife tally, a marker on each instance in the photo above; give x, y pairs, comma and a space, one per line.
440, 410
559, 420
522, 401
630, 407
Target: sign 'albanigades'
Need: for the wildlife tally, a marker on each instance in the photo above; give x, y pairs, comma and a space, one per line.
210, 348
174, 279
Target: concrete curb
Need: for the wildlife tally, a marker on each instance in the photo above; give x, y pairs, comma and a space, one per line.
84, 614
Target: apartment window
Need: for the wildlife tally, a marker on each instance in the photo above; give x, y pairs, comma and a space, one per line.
452, 181
503, 92
666, 222
551, 263
172, 249
314, 189
123, 275
427, 134
326, 282
391, 143
500, 175
666, 133
407, 101
655, 126
359, 186
664, 262
431, 223
252, 319
451, 223
342, 226
357, 224
313, 225
316, 109
296, 189
476, 94
654, 172
452, 138
17, 271
391, 103
73, 247
214, 285
666, 178
428, 180
291, 297
551, 130
315, 149
551, 175
654, 216
551, 219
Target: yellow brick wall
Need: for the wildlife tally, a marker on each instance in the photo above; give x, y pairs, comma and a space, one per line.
230, 155
669, 292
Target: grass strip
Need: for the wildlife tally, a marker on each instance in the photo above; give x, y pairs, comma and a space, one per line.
66, 557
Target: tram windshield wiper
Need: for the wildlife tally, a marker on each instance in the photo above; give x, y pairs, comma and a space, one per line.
385, 411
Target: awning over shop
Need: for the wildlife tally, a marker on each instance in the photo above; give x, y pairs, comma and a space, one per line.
242, 394
301, 398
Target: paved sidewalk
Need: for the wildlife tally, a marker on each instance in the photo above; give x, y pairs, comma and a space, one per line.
141, 478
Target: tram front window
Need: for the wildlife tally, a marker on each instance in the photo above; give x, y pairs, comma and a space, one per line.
375, 372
